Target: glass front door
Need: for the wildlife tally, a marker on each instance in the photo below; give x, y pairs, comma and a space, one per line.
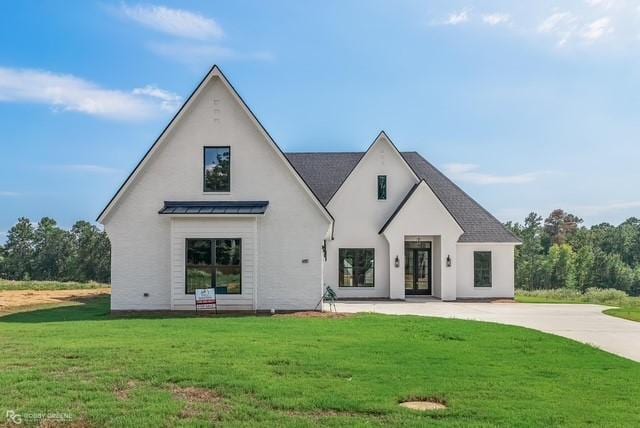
417, 268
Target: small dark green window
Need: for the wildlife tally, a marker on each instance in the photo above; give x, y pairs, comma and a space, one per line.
482, 268
217, 169
382, 187
356, 267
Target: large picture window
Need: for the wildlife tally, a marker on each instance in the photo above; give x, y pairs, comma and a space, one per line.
213, 263
217, 169
356, 267
482, 269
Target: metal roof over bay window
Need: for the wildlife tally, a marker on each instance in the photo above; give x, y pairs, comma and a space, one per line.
214, 207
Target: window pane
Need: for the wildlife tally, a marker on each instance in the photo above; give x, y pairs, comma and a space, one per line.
227, 252
198, 252
217, 169
356, 267
198, 277
482, 269
367, 269
346, 268
228, 280
382, 187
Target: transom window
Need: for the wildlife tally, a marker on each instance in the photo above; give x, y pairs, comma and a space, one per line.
213, 263
356, 267
482, 268
217, 169
382, 187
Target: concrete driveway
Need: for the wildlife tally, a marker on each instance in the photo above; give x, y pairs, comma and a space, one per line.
584, 323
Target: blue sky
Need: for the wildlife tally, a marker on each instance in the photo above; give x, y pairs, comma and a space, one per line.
528, 106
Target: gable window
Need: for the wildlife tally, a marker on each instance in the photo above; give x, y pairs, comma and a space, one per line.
382, 187
217, 169
213, 263
356, 267
482, 268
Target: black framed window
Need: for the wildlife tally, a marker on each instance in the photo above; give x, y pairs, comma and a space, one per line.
217, 169
213, 263
382, 187
482, 268
356, 267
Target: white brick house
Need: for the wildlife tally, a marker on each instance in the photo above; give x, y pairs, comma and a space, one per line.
216, 203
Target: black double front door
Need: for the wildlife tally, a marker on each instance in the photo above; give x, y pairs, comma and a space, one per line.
417, 269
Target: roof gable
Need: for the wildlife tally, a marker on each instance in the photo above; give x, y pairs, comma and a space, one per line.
382, 138
214, 72
325, 173
429, 202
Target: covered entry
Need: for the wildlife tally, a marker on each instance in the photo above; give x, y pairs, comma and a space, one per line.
418, 269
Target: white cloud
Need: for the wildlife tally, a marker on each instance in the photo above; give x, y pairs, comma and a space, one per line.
201, 54
469, 173
496, 18
605, 4
560, 24
168, 100
573, 25
456, 18
64, 92
84, 168
597, 29
176, 22
603, 208
8, 194
204, 48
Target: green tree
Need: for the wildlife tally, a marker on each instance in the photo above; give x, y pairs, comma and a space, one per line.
54, 252
584, 268
559, 226
561, 267
93, 252
529, 255
19, 250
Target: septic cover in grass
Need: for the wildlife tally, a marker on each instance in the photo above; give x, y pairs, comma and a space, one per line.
423, 405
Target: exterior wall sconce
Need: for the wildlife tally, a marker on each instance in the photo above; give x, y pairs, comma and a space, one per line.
397, 262
448, 260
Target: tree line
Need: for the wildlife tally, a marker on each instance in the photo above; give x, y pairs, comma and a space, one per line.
48, 253
558, 252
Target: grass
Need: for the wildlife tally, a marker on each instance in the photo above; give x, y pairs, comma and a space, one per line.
629, 313
289, 371
627, 307
6, 285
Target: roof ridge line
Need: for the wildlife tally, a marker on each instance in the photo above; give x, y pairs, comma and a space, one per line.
441, 174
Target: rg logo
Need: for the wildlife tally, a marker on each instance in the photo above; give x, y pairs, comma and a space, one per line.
13, 417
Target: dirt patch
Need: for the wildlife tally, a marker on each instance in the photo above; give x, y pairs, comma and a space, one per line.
423, 405
14, 299
199, 402
123, 393
51, 423
315, 314
192, 394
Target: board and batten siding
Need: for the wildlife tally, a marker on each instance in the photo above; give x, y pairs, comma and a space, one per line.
244, 228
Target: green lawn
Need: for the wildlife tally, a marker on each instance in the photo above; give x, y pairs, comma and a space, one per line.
6, 284
628, 307
631, 313
274, 371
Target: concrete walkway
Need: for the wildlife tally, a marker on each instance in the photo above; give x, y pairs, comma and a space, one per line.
584, 323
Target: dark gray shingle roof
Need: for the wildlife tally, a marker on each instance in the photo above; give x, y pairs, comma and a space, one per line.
325, 172
214, 207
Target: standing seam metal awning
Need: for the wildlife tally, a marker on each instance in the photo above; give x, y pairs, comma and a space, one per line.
214, 207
